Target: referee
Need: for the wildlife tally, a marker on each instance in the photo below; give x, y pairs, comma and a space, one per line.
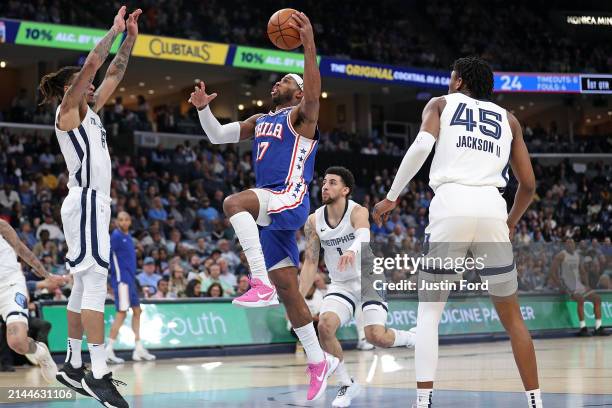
123, 281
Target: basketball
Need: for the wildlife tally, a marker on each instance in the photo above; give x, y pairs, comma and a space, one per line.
281, 33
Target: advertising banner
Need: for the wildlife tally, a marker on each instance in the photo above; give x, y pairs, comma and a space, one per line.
269, 60
177, 49
205, 324
61, 36
8, 31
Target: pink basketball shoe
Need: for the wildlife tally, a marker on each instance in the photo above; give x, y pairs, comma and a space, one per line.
319, 372
260, 295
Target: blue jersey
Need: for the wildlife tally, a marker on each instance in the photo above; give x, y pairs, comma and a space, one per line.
281, 156
122, 259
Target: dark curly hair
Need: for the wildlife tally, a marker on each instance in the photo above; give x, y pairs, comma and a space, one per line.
52, 85
477, 76
345, 174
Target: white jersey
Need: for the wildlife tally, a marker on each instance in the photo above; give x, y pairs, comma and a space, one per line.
86, 154
570, 270
335, 241
10, 269
473, 147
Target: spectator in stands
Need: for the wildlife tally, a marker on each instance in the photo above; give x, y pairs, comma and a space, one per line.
193, 289
206, 211
45, 245
8, 197
215, 290
27, 235
178, 282
55, 232
214, 276
243, 285
162, 289
147, 279
228, 255
157, 211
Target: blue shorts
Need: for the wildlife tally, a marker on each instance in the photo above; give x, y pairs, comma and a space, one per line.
126, 296
281, 214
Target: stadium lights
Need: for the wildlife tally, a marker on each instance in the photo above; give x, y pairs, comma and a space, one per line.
151, 91
609, 113
122, 89
324, 95
2, 64
259, 102
141, 84
168, 77
240, 107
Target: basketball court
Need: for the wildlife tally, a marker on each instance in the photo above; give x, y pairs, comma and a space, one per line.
573, 373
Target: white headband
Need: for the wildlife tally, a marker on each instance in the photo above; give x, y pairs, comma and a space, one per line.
298, 79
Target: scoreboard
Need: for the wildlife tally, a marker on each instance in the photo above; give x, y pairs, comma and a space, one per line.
544, 82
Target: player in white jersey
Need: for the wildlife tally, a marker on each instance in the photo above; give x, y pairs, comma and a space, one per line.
475, 141
341, 227
569, 273
14, 300
86, 210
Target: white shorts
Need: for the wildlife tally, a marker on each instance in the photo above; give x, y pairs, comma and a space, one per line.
342, 298
86, 217
14, 299
486, 238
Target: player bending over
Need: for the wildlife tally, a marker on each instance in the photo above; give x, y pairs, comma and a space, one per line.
475, 141
266, 218
341, 227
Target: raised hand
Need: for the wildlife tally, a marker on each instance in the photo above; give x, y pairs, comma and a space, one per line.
119, 22
301, 23
199, 98
132, 23
382, 210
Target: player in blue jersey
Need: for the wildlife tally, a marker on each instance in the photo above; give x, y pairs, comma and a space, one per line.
266, 218
123, 281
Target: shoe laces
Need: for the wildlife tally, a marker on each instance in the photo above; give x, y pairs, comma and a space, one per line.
342, 390
116, 382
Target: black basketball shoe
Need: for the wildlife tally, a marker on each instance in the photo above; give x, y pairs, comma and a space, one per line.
104, 390
584, 332
71, 377
600, 332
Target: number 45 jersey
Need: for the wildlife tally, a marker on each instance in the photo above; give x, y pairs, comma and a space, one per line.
473, 148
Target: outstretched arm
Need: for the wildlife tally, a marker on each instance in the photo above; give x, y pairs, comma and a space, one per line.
361, 223
311, 258
217, 133
304, 116
69, 113
414, 158
9, 234
116, 69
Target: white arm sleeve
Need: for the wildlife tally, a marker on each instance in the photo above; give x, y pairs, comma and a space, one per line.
412, 162
217, 133
361, 235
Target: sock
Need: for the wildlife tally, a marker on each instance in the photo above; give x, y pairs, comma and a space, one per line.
248, 235
597, 323
308, 338
109, 344
73, 353
403, 338
582, 324
426, 340
97, 354
534, 398
424, 397
342, 375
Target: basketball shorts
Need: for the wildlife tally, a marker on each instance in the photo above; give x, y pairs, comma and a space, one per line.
126, 296
281, 213
86, 217
342, 298
14, 299
576, 288
448, 241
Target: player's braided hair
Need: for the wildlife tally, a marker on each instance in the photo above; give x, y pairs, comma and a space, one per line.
345, 174
477, 76
52, 85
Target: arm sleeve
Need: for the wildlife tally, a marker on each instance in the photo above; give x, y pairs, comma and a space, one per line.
361, 235
217, 133
412, 162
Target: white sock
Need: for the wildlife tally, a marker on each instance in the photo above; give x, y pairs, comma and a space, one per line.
97, 354
248, 235
534, 398
582, 324
597, 323
308, 338
73, 353
342, 374
109, 344
424, 397
402, 338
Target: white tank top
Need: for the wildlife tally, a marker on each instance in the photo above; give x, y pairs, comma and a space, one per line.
9, 266
86, 153
473, 148
336, 241
570, 270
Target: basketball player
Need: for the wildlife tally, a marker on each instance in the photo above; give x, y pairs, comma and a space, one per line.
569, 273
475, 141
123, 281
14, 300
86, 210
284, 147
341, 227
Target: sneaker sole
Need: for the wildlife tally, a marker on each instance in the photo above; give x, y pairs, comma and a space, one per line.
63, 378
324, 383
91, 393
259, 303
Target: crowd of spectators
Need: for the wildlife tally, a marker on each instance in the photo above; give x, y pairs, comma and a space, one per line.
427, 34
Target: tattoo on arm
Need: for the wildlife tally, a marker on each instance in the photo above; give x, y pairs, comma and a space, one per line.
11, 330
119, 64
21, 249
313, 245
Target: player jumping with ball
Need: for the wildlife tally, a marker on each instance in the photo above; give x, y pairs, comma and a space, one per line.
266, 218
